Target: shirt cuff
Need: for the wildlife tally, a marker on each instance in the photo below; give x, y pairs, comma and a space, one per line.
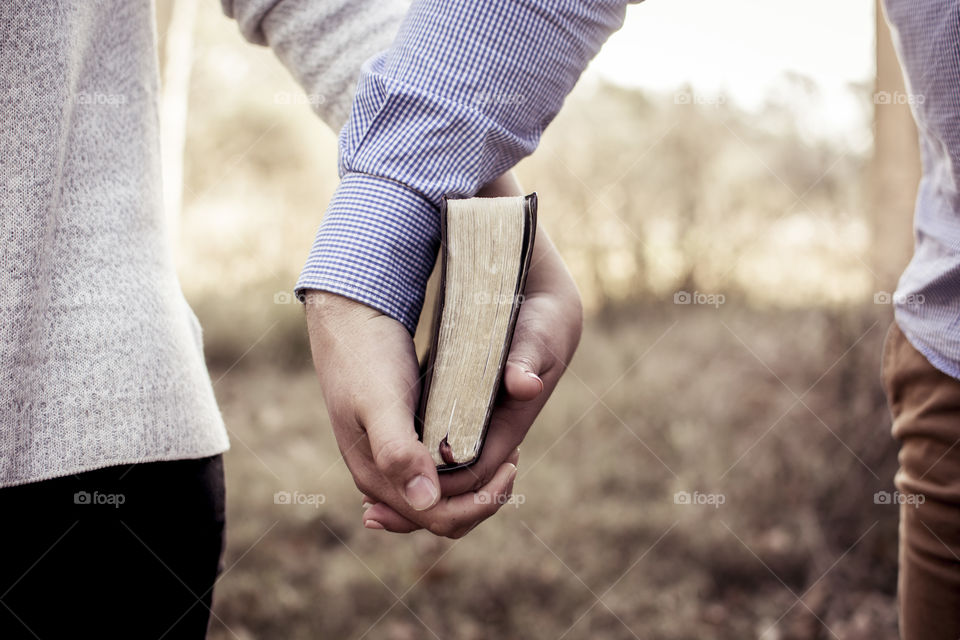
377, 244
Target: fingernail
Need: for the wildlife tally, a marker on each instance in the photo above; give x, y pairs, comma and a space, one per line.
372, 524
366, 505
513, 472
420, 493
531, 374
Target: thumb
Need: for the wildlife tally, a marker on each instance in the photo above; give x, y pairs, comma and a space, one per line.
402, 459
525, 364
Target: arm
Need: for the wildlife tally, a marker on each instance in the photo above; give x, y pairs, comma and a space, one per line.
464, 93
368, 371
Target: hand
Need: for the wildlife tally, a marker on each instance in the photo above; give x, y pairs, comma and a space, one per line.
547, 334
369, 375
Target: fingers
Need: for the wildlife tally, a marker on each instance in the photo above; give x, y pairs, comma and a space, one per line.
501, 445
368, 371
453, 516
459, 482
401, 458
380, 516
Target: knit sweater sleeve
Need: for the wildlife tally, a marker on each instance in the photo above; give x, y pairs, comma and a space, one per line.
322, 44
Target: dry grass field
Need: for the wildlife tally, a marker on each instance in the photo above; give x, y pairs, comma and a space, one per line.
772, 421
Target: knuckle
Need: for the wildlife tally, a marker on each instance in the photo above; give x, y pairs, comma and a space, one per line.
392, 458
525, 362
362, 481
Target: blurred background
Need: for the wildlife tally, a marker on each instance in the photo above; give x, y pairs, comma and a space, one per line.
732, 186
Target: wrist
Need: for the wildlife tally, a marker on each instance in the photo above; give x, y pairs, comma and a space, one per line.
376, 245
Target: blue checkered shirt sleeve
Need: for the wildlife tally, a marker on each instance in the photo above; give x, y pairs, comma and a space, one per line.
462, 95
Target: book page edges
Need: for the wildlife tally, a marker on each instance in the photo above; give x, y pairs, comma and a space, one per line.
427, 367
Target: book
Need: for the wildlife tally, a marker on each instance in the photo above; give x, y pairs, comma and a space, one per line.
486, 244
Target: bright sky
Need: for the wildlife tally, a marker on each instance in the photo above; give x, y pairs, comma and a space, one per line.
741, 47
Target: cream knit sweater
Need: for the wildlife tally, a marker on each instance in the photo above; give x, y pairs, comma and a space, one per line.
101, 357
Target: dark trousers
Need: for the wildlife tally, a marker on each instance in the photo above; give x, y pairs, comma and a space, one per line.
926, 419
124, 552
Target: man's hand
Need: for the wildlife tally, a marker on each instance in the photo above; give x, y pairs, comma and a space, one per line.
368, 371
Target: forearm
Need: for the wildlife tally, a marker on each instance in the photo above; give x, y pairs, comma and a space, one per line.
463, 94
